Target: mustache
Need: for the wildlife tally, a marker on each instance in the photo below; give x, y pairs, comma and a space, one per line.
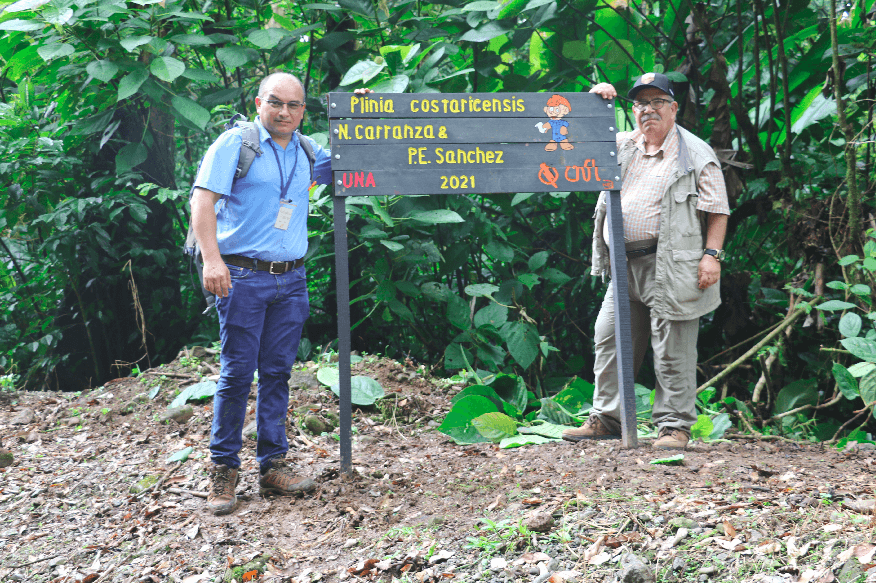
650, 116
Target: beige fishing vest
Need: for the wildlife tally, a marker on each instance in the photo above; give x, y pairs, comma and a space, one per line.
682, 235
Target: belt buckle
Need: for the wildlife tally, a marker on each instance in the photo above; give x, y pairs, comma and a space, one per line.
281, 266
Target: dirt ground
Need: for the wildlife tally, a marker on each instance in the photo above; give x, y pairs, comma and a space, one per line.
90, 496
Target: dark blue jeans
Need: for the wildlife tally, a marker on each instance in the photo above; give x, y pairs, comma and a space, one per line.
260, 326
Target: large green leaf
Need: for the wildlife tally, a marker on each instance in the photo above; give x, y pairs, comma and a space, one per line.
436, 217
167, 68
861, 369
847, 383
555, 413
200, 75
328, 375
457, 356
132, 42
522, 340
480, 390
720, 424
860, 347
493, 315
191, 111
180, 456
835, 306
850, 325
395, 84
485, 32
130, 83
512, 390
521, 440
868, 388
130, 157
197, 40
572, 399
55, 51
458, 422
495, 426
796, 394
703, 428
545, 429
196, 392
362, 72
267, 38
480, 290
17, 24
233, 57
364, 391
103, 70
458, 311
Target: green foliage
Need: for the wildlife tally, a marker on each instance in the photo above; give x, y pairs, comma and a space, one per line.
106, 108
364, 391
197, 392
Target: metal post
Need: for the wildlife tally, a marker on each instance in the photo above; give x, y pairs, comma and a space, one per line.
342, 292
622, 330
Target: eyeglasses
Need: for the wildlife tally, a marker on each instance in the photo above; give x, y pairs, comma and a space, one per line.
278, 105
657, 104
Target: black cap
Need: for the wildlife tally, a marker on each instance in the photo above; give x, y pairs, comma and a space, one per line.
655, 80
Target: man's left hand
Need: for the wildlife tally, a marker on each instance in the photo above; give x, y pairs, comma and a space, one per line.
708, 272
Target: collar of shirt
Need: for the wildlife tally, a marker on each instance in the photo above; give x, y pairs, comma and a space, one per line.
264, 136
668, 149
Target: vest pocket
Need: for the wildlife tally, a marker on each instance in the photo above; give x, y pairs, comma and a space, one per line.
687, 254
685, 219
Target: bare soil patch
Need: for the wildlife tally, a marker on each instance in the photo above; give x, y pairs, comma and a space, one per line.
91, 497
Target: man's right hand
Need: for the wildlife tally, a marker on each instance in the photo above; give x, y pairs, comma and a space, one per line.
217, 278
604, 90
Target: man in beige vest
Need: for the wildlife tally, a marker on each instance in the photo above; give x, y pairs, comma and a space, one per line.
674, 204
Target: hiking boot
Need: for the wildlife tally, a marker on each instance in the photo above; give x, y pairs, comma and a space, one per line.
593, 428
223, 481
281, 480
672, 438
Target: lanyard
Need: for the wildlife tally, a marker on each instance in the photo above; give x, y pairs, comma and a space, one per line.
285, 184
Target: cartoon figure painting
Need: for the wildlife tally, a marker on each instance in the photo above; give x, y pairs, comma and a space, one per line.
557, 108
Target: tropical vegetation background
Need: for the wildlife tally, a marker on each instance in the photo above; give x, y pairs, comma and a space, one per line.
106, 106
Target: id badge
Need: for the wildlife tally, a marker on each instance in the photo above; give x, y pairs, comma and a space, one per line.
284, 216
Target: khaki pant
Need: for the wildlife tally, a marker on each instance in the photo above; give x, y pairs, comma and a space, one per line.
675, 354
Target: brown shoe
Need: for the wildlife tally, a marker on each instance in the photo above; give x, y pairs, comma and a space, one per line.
593, 428
672, 438
223, 481
281, 480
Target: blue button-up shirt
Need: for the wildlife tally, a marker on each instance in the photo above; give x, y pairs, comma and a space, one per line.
248, 209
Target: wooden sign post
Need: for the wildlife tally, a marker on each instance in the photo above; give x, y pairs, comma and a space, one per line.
476, 143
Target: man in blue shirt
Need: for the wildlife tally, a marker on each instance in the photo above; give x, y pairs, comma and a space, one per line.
252, 233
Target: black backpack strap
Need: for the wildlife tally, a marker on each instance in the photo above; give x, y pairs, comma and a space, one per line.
308, 151
250, 147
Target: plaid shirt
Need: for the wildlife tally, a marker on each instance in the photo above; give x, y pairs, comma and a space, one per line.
647, 179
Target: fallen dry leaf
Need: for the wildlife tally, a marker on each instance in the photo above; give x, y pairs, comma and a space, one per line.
616, 541
768, 547
594, 549
499, 501
863, 552
860, 506
530, 557
196, 578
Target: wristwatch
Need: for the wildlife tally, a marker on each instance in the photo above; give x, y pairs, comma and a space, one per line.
716, 253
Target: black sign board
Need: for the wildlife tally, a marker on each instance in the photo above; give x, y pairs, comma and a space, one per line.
460, 143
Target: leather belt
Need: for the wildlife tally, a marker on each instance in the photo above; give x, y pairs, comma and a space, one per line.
641, 248
273, 267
